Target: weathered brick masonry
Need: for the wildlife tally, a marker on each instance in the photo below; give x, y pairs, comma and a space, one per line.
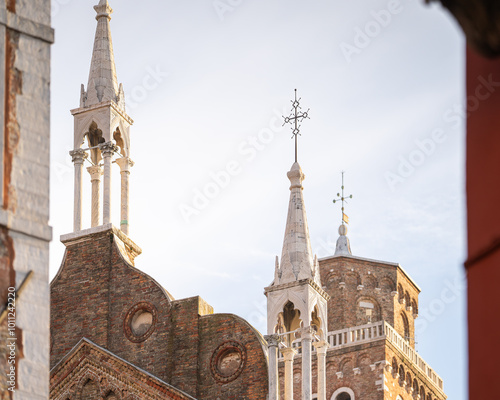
97, 290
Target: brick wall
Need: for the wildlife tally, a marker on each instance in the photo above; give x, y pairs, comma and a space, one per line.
97, 295
350, 281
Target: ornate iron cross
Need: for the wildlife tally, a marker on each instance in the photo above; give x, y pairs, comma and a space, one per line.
345, 218
295, 118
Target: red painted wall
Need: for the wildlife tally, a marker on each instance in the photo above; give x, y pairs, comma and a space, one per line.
483, 220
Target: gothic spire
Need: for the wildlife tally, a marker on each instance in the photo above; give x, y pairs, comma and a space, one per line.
103, 85
297, 261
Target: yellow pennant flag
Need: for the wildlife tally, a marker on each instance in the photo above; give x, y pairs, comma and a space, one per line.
345, 218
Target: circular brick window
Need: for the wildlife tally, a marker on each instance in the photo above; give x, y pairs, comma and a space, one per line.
228, 361
140, 322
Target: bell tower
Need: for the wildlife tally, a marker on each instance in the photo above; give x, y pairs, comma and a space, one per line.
101, 132
296, 302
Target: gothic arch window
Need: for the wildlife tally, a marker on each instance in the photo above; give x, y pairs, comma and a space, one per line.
395, 368
402, 375
370, 282
288, 321
414, 307
409, 381
401, 294
343, 393
415, 387
407, 299
368, 311
406, 327
316, 322
422, 392
387, 284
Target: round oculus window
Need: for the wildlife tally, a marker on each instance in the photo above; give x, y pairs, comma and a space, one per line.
140, 322
228, 361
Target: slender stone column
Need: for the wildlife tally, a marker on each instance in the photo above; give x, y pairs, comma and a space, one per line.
95, 177
125, 164
272, 345
107, 150
321, 348
306, 334
78, 157
289, 353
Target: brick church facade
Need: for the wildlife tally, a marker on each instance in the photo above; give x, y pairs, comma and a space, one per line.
339, 328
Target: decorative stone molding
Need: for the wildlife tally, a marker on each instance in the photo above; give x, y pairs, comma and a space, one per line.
342, 285
145, 327
409, 308
228, 361
360, 287
340, 375
357, 371
402, 301
78, 156
378, 290
108, 149
394, 294
373, 367
273, 340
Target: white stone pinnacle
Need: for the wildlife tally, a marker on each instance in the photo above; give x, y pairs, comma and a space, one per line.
297, 261
102, 84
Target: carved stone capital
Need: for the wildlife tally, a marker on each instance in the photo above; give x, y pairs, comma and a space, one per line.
95, 172
321, 346
272, 340
357, 371
125, 163
306, 333
340, 375
288, 353
78, 156
108, 149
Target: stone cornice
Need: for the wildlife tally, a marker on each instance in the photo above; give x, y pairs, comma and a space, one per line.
106, 104
302, 282
83, 235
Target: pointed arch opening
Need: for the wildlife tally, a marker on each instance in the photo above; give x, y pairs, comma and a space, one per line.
94, 138
316, 322
288, 321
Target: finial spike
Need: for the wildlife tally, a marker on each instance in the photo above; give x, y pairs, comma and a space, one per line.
342, 198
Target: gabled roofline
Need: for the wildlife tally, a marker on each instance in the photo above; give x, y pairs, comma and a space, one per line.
84, 341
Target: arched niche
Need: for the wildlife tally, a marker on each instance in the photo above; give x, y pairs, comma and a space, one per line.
343, 393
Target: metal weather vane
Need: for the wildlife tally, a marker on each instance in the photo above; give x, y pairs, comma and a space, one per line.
342, 198
295, 118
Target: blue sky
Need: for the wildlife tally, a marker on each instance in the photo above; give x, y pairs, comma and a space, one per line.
207, 82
